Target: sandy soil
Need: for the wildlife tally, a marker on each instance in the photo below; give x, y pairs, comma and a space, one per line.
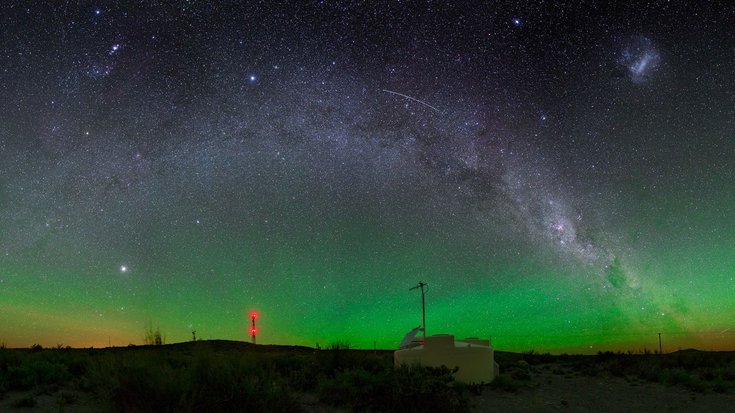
574, 393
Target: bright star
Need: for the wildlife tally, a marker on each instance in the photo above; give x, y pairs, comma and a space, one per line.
517, 22
252, 78
123, 268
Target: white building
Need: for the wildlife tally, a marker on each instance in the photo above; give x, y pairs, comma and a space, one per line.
475, 358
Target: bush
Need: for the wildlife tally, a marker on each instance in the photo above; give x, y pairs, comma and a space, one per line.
394, 390
202, 376
298, 371
507, 383
37, 372
153, 337
204, 381
533, 358
25, 401
427, 389
719, 385
683, 377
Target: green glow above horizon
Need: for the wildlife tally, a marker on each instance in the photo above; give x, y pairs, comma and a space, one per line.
560, 187
358, 293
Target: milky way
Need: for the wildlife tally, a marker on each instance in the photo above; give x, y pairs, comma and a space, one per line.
560, 176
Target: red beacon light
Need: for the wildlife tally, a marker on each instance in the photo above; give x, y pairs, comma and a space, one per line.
253, 331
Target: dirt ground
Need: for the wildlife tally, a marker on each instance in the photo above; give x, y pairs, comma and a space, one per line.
576, 393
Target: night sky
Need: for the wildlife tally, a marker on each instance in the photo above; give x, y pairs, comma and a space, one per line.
560, 173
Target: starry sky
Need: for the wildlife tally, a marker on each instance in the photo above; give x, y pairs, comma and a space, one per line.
560, 173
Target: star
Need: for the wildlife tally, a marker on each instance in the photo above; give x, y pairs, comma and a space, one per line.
144, 137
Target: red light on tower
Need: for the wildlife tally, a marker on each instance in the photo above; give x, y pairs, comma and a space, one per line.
253, 316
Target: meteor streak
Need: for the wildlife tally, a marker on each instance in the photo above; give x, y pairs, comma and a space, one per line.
412, 98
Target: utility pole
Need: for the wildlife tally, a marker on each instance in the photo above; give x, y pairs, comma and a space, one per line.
421, 285
660, 348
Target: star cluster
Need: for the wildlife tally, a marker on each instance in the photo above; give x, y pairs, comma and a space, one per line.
561, 175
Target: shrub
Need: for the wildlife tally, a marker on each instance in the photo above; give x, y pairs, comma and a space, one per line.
394, 390
533, 358
204, 381
298, 371
153, 337
37, 372
719, 385
25, 401
426, 389
683, 377
507, 383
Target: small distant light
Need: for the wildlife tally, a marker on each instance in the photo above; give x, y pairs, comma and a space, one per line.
98, 12
123, 268
517, 22
253, 78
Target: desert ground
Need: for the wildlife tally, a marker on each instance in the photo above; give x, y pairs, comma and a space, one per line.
572, 392
225, 376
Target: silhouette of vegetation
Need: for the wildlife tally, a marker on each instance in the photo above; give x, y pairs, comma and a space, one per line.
220, 376
153, 337
696, 370
224, 376
27, 401
394, 390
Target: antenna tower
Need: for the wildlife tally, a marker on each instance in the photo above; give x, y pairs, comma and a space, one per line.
421, 285
252, 329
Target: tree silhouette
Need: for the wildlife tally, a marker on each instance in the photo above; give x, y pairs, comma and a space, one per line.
153, 337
